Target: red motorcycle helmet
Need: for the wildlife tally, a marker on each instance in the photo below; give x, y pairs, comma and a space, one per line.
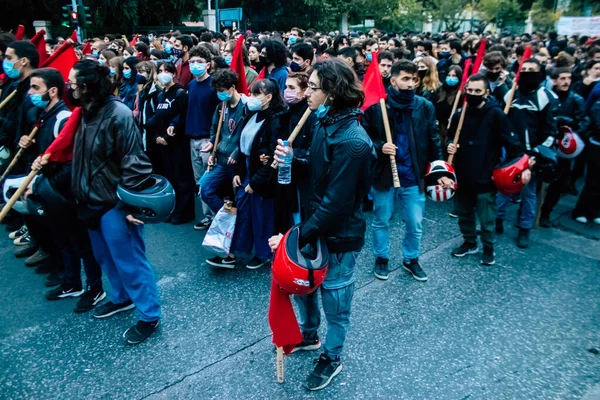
571, 145
436, 170
507, 176
299, 271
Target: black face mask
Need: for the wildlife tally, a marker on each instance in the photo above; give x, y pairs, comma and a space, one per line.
529, 81
474, 100
263, 60
422, 73
492, 76
75, 102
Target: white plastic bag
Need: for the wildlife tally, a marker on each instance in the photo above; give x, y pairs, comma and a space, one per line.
220, 234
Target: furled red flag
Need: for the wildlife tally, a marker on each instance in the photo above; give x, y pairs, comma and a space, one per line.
373, 84
87, 48
479, 57
40, 43
133, 41
74, 37
465, 76
61, 150
526, 56
20, 33
262, 74
282, 320
63, 59
237, 64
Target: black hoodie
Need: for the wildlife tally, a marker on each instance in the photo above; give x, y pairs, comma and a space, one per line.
484, 132
170, 111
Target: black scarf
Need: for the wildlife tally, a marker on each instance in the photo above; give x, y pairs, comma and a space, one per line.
401, 100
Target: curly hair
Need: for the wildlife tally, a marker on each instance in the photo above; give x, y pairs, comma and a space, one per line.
340, 82
95, 78
276, 52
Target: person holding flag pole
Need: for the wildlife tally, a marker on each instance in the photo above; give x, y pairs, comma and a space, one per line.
403, 159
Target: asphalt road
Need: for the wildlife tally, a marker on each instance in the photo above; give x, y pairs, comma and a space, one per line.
522, 329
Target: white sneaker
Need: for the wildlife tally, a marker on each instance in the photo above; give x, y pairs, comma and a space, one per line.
597, 221
23, 240
581, 220
17, 234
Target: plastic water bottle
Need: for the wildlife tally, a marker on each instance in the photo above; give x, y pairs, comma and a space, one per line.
284, 176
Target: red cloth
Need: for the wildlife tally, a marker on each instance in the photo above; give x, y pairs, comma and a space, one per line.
526, 56
262, 74
61, 150
286, 332
20, 33
133, 41
184, 75
373, 84
87, 48
74, 37
479, 57
465, 76
237, 64
40, 43
63, 59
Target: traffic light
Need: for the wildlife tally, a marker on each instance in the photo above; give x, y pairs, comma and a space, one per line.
74, 19
66, 14
85, 16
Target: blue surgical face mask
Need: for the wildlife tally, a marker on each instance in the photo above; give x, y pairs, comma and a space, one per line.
197, 69
224, 96
9, 69
168, 48
96, 53
369, 57
292, 40
127, 73
444, 54
451, 80
113, 71
254, 104
228, 59
322, 110
101, 62
38, 100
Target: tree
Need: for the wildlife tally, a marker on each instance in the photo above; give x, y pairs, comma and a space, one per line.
543, 18
500, 12
449, 12
409, 14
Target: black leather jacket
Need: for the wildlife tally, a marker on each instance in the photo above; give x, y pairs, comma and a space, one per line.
339, 163
571, 112
107, 151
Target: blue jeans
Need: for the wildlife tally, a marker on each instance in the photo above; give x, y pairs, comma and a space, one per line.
413, 206
336, 296
210, 183
120, 250
254, 224
527, 207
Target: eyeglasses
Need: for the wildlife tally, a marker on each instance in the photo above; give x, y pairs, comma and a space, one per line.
313, 87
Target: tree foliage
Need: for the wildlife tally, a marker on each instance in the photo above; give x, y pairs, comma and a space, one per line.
449, 12
500, 12
543, 17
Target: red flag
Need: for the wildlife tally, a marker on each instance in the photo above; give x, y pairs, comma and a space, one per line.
87, 48
74, 37
282, 320
61, 150
465, 76
373, 84
262, 74
63, 59
133, 41
479, 57
40, 43
20, 33
526, 56
237, 64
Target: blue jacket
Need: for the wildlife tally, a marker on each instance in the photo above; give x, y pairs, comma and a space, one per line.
279, 75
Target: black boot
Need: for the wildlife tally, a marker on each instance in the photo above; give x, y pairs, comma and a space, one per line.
523, 238
499, 226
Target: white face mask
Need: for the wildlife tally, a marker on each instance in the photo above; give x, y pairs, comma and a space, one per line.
165, 78
254, 104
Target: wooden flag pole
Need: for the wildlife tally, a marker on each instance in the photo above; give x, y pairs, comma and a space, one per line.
20, 191
280, 366
295, 132
8, 98
218, 135
18, 156
458, 129
388, 138
511, 96
455, 106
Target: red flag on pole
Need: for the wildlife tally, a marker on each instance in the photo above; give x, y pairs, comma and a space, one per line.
526, 55
465, 76
373, 84
282, 320
74, 37
237, 64
479, 57
20, 33
63, 59
133, 41
262, 74
39, 41
87, 48
61, 150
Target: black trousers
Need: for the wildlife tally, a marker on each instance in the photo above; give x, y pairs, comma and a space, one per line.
178, 170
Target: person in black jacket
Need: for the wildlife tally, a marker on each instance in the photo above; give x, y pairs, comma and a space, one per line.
145, 108
339, 167
532, 118
260, 130
485, 130
416, 142
169, 124
107, 152
570, 112
495, 65
53, 191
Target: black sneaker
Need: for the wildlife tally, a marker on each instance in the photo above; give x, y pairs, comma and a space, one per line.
227, 262
90, 299
325, 370
256, 263
307, 345
464, 249
415, 269
109, 308
453, 214
140, 332
25, 251
54, 279
545, 221
64, 291
203, 225
523, 238
18, 233
488, 255
499, 225
381, 269
23, 240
